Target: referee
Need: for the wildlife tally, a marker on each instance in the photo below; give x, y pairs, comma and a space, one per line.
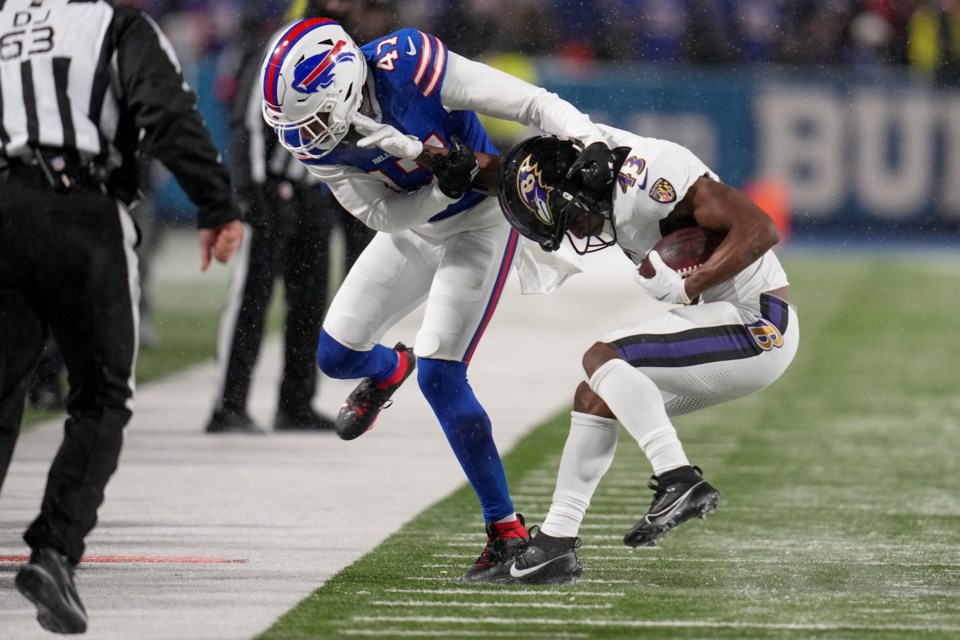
83, 84
290, 218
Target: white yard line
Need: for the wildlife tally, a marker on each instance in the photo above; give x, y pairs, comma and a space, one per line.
488, 605
667, 624
509, 592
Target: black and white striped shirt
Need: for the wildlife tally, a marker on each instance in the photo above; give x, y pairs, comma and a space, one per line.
93, 78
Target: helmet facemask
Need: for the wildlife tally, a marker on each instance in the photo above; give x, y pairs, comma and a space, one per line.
581, 201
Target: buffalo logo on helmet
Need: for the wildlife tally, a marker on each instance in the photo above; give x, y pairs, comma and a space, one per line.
317, 72
532, 191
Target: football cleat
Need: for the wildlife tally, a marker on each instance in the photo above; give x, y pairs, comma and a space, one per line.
505, 540
548, 560
363, 405
47, 582
679, 495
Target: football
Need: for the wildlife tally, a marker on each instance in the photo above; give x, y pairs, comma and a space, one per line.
684, 250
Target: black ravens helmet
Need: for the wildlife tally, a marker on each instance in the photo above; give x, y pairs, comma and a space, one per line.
537, 198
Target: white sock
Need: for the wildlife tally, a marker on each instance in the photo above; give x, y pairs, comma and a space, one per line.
591, 445
636, 401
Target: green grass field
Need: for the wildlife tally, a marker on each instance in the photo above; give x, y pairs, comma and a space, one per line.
840, 519
841, 511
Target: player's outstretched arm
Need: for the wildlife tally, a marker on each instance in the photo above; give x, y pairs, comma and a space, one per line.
489, 167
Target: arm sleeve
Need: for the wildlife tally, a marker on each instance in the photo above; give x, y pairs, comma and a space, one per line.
377, 205
473, 86
164, 107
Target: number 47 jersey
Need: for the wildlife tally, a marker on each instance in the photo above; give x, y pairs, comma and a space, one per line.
406, 73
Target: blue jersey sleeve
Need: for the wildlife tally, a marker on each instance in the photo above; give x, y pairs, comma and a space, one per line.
412, 62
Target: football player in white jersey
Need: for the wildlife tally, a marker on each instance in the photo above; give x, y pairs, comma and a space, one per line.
731, 333
357, 118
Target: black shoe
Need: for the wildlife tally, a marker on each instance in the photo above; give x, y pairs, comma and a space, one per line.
302, 420
47, 582
232, 422
679, 495
363, 405
548, 560
46, 396
505, 540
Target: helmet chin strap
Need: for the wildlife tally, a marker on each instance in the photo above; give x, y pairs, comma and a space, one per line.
368, 103
368, 108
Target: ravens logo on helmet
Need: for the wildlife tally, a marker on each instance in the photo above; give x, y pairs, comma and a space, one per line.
540, 201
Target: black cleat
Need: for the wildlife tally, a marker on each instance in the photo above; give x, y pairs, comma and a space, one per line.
505, 540
548, 560
47, 582
679, 495
364, 403
302, 420
223, 421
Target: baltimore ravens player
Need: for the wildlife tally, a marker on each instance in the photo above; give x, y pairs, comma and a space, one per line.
739, 336
438, 242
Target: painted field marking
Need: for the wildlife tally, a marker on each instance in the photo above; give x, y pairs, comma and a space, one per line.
139, 560
508, 592
448, 633
669, 624
488, 605
582, 581
791, 561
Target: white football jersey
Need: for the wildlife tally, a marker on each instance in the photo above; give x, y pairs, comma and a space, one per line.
656, 176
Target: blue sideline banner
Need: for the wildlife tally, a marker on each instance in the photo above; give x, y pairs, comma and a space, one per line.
858, 150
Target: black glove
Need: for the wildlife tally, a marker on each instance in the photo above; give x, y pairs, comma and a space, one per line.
594, 166
455, 171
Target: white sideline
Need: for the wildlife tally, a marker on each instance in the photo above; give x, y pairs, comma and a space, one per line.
295, 508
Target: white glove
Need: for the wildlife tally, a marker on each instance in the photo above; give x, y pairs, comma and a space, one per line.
386, 137
666, 285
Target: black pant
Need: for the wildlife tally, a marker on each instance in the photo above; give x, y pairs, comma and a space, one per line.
67, 266
290, 233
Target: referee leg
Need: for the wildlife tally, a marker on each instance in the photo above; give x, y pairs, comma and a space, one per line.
21, 343
243, 317
306, 265
92, 304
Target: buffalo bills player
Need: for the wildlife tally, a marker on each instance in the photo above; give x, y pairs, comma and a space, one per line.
740, 336
358, 118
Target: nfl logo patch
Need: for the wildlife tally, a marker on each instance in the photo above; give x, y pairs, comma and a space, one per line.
663, 191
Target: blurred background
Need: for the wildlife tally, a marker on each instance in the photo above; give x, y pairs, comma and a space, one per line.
840, 117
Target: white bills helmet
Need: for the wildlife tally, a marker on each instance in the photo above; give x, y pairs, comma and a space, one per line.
312, 80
